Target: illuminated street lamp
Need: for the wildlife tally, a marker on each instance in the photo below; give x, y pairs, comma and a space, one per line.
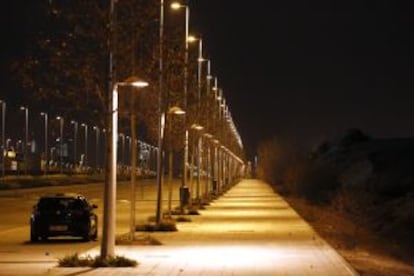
45, 117
134, 141
26, 137
108, 239
177, 6
3, 135
61, 120
174, 110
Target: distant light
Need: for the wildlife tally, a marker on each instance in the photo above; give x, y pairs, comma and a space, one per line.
176, 110
197, 127
175, 6
134, 81
191, 38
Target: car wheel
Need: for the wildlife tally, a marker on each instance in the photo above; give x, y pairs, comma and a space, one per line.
86, 237
94, 236
33, 236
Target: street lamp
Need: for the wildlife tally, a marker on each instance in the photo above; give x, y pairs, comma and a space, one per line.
200, 61
45, 116
75, 142
61, 120
85, 157
26, 139
177, 6
108, 235
3, 135
174, 110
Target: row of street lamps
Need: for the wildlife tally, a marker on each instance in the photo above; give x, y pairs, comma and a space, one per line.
61, 152
220, 152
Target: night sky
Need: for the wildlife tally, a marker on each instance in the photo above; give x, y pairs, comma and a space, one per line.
308, 70
301, 69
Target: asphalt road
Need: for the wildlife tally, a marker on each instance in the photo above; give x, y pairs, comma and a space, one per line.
16, 206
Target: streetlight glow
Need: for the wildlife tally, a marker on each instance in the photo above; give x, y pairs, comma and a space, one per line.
176, 110
191, 38
176, 6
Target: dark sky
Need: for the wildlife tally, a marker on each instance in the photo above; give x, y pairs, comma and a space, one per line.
302, 69
308, 70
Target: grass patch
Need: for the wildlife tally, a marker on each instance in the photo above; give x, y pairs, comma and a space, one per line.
77, 261
165, 225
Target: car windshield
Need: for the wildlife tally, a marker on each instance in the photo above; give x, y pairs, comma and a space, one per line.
46, 204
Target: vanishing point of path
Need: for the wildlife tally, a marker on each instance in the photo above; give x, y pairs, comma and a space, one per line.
250, 230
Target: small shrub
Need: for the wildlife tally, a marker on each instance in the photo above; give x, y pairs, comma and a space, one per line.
76, 261
117, 261
166, 225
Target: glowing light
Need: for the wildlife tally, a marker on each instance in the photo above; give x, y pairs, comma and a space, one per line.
176, 6
191, 38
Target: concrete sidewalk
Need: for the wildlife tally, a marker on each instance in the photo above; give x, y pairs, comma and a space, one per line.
248, 231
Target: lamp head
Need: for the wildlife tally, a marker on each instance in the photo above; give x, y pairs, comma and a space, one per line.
176, 110
176, 6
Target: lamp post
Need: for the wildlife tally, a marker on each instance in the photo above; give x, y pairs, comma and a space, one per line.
3, 135
75, 142
199, 138
177, 6
209, 166
26, 136
133, 157
45, 117
61, 120
159, 163
175, 110
85, 157
108, 239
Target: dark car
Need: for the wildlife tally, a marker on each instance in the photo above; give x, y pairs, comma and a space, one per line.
63, 215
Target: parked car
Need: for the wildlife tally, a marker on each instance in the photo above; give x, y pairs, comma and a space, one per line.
63, 215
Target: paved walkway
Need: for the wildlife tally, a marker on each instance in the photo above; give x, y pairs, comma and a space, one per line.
248, 231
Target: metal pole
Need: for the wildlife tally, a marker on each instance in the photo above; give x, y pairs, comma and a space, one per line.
199, 139
187, 19
160, 115
133, 174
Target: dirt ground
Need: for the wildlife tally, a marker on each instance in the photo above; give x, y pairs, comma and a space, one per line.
365, 251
